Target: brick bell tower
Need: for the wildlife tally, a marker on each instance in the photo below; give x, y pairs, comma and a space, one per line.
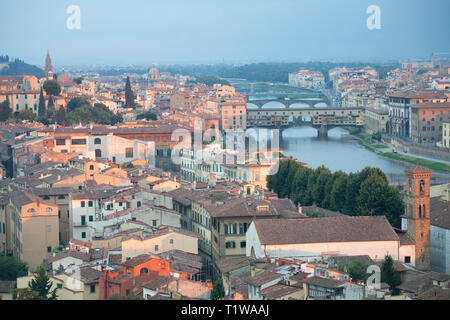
417, 215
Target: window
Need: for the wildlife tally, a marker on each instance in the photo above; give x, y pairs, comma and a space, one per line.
422, 186
98, 154
230, 228
91, 167
91, 218
230, 245
49, 228
97, 141
49, 249
154, 223
61, 197
90, 203
83, 220
59, 286
83, 235
46, 198
171, 241
129, 152
139, 204
144, 271
83, 204
407, 259
242, 228
92, 288
78, 141
156, 247
243, 244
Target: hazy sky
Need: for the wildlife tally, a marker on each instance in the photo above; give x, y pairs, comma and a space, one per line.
199, 31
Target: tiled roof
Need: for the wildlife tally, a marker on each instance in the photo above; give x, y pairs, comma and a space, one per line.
229, 264
278, 291
157, 283
439, 213
418, 169
263, 277
324, 282
331, 229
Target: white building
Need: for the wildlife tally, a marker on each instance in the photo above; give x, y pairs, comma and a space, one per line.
310, 239
307, 79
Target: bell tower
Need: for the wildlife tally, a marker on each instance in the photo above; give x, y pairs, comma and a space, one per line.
417, 215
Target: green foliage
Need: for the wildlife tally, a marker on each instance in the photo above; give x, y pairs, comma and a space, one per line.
52, 87
5, 110
19, 67
147, 116
25, 294
218, 292
208, 80
58, 249
78, 80
376, 136
127, 165
129, 95
75, 103
25, 115
357, 194
41, 107
80, 110
389, 275
356, 269
11, 268
61, 116
41, 284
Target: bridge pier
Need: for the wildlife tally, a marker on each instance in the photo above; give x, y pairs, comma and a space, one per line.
322, 131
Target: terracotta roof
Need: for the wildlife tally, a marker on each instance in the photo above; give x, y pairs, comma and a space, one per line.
439, 213
278, 291
157, 283
418, 169
263, 277
331, 229
434, 293
230, 264
138, 260
323, 282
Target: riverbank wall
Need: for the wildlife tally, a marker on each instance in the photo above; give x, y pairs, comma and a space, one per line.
420, 150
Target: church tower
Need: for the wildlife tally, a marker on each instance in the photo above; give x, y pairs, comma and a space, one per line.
48, 66
417, 215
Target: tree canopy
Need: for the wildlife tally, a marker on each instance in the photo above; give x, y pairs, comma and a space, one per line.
356, 194
52, 87
41, 284
129, 94
218, 292
147, 116
11, 268
5, 110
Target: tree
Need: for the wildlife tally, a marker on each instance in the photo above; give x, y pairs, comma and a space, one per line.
61, 116
218, 292
25, 294
147, 116
51, 111
389, 275
26, 115
42, 285
78, 80
5, 110
129, 95
41, 106
356, 269
75, 103
11, 268
52, 87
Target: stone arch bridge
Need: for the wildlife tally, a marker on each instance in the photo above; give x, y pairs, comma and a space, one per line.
322, 119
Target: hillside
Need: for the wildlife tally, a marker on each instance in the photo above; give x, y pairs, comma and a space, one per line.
18, 67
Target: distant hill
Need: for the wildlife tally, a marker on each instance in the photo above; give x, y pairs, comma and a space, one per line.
18, 67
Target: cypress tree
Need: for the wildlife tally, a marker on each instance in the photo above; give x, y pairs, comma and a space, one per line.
41, 107
129, 95
5, 110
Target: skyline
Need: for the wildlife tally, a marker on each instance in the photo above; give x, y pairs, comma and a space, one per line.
235, 32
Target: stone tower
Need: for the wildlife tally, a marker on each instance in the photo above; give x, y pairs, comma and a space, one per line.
48, 66
417, 215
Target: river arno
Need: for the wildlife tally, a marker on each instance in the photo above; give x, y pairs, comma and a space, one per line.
340, 152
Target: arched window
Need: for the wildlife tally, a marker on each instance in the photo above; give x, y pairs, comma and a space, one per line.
97, 141
420, 211
98, 153
144, 271
424, 212
422, 186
